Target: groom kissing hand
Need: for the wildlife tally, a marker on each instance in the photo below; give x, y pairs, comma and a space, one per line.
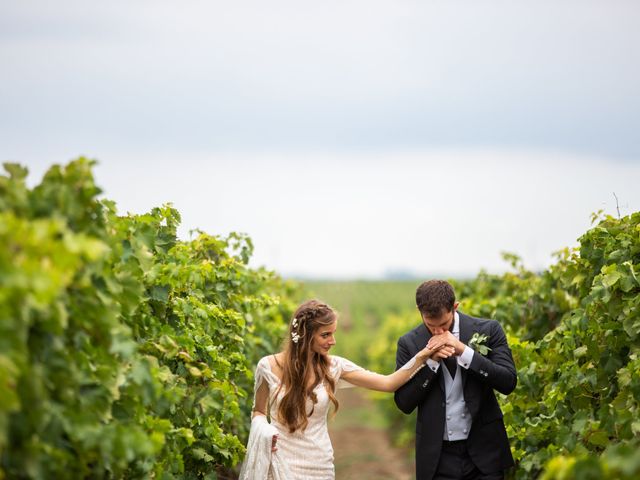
459, 429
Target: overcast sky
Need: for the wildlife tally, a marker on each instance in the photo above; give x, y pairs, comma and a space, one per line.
347, 138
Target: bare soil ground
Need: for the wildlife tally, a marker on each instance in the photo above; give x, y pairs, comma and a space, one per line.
362, 449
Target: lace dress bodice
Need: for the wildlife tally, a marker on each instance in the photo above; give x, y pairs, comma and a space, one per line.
308, 453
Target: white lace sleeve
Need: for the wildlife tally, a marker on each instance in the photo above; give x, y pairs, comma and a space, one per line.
342, 365
262, 377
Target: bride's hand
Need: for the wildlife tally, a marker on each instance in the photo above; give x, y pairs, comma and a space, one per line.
273, 443
444, 349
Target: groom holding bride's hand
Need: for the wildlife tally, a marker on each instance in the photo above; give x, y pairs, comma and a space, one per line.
459, 430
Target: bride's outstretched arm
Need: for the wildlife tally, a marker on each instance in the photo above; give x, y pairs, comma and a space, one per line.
393, 381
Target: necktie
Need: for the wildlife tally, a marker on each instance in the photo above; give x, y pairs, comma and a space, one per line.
451, 364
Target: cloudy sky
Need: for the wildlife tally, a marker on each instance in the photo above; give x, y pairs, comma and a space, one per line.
348, 138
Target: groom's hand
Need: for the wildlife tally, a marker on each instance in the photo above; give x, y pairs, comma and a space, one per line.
447, 338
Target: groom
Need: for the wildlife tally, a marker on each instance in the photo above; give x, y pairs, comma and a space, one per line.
459, 429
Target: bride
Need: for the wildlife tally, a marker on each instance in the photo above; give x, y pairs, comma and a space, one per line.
295, 388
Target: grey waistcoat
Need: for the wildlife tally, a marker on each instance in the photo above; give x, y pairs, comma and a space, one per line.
458, 419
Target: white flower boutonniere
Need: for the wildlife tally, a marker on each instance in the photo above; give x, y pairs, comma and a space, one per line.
478, 341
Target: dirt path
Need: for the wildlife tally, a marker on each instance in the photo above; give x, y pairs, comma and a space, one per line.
362, 449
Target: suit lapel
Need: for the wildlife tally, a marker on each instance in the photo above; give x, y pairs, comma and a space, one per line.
466, 328
466, 332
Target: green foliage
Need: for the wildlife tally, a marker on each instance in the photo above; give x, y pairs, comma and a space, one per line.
124, 352
576, 406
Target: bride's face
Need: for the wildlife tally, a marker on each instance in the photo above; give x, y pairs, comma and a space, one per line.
324, 339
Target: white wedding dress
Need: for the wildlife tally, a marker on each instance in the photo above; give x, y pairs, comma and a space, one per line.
307, 454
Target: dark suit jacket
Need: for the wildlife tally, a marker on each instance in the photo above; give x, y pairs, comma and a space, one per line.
487, 442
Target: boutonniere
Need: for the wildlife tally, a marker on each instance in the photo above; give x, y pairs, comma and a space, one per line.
478, 341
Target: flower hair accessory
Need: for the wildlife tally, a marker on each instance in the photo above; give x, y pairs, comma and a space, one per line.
294, 334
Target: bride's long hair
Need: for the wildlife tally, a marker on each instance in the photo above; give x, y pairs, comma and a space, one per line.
302, 364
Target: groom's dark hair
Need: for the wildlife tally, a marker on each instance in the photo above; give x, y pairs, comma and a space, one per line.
435, 297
